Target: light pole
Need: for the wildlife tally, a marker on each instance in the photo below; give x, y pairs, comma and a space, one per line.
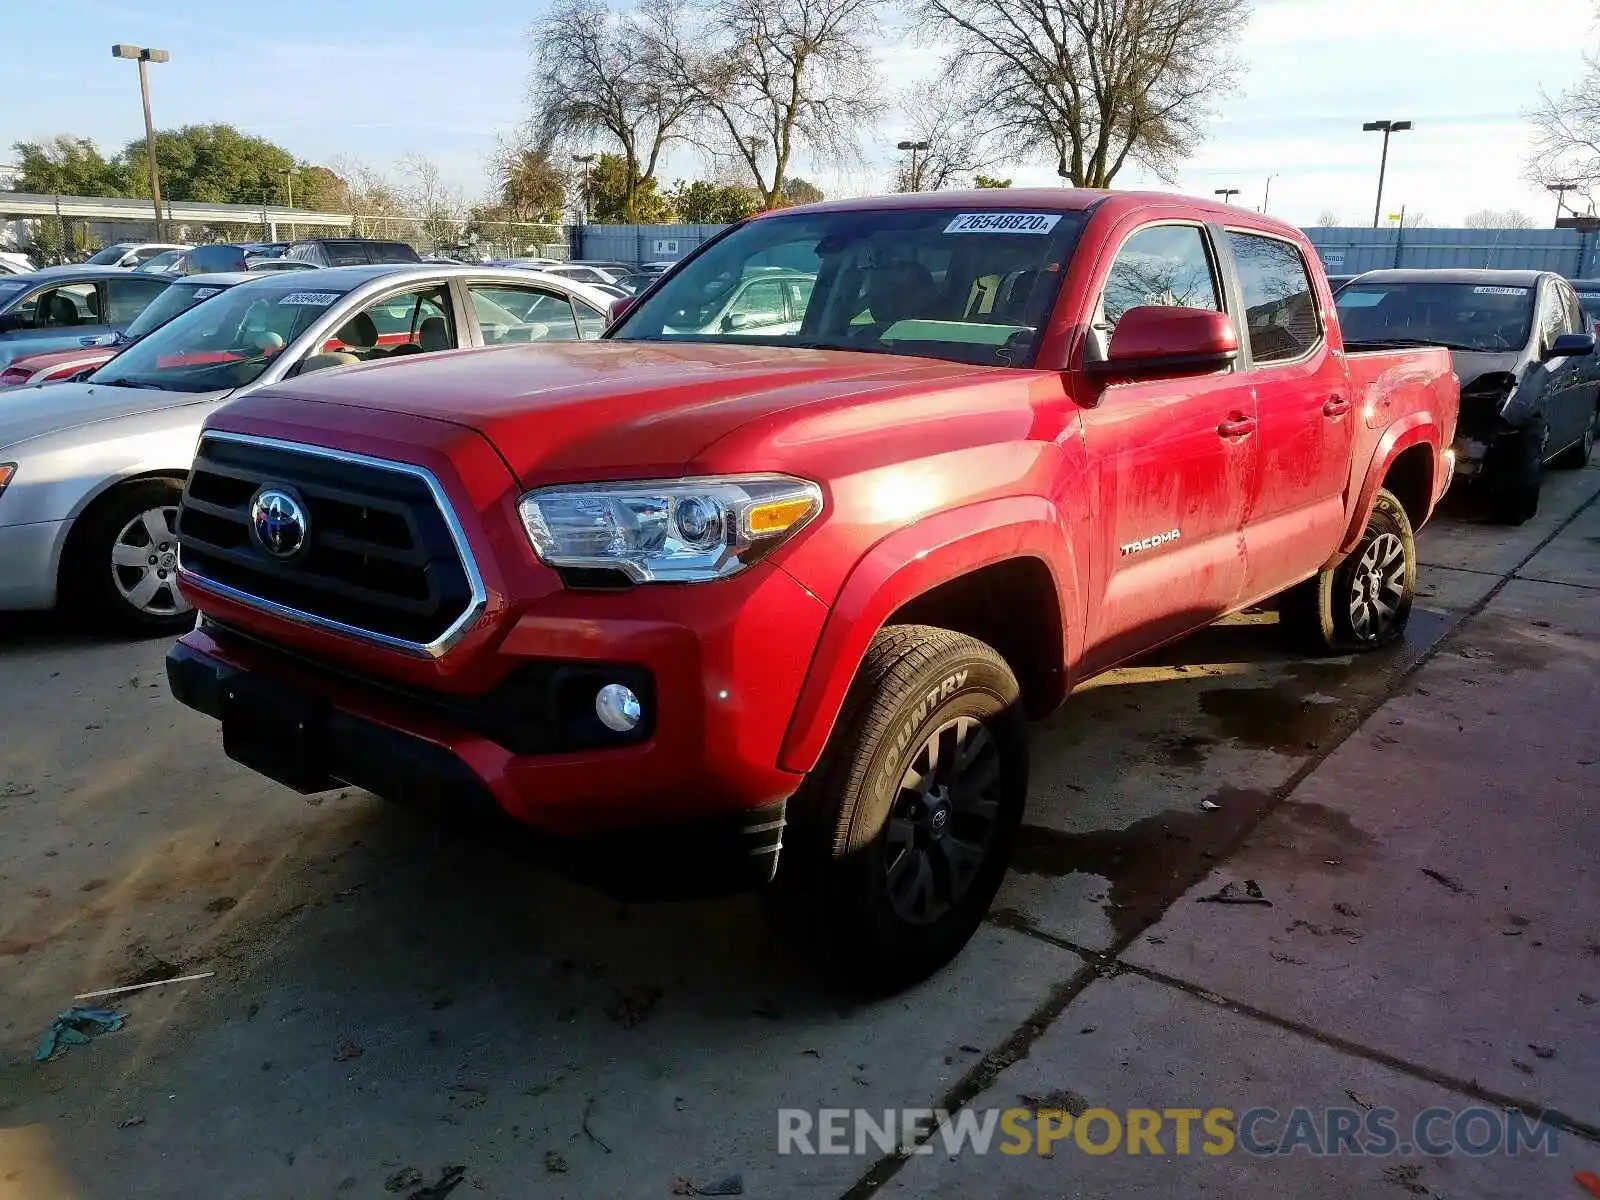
586, 160
1266, 197
1561, 190
1385, 128
916, 176
142, 55
288, 174
1227, 194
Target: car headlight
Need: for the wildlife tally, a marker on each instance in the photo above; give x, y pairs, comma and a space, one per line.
668, 531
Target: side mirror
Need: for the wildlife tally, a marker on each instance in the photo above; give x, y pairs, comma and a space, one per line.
1154, 341
620, 308
1570, 345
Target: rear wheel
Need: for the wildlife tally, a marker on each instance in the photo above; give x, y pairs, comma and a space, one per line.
1576, 457
123, 571
900, 837
1364, 601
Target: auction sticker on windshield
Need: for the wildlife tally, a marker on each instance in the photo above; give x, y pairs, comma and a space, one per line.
311, 299
1499, 291
1003, 222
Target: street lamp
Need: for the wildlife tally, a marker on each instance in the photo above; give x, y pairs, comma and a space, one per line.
914, 147
1385, 128
586, 160
142, 55
1266, 197
288, 174
1561, 190
1227, 194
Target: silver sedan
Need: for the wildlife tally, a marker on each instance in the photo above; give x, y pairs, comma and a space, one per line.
91, 472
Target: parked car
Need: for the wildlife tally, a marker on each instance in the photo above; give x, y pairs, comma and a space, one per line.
129, 254
91, 471
13, 263
196, 260
266, 249
764, 302
583, 274
70, 307
723, 609
1338, 281
1525, 354
1588, 291
349, 252
279, 264
51, 366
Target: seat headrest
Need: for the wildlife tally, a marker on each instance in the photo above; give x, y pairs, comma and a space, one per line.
359, 331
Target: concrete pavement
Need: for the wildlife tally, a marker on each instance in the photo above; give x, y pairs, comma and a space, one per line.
389, 1001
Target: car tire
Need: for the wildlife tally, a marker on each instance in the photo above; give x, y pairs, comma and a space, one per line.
1576, 456
1364, 601
1514, 497
901, 835
121, 571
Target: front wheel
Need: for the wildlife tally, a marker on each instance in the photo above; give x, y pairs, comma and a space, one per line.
900, 837
123, 571
1364, 601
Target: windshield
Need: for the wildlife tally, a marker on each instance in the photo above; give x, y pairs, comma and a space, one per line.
224, 344
959, 284
1458, 316
109, 256
179, 298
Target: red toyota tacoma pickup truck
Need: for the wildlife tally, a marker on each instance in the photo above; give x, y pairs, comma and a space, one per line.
759, 589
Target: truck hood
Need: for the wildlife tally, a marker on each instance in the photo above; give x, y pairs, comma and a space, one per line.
580, 410
32, 412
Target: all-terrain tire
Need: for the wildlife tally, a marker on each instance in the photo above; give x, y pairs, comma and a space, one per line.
1364, 601
850, 896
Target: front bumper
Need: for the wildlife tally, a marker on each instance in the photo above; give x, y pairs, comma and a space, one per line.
699, 793
30, 555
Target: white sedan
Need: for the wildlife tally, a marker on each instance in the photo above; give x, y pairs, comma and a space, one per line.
91, 472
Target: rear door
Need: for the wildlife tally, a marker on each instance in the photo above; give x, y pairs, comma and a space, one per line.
1306, 425
126, 298
1570, 404
1174, 460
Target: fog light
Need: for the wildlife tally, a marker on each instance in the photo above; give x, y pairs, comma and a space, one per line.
617, 707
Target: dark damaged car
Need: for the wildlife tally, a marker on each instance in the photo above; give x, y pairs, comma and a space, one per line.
1523, 350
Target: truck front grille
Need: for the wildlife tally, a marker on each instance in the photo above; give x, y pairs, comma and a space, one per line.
378, 554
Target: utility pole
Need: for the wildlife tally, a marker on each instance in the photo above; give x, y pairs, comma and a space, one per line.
1386, 128
143, 55
586, 160
1561, 190
288, 174
1266, 197
916, 174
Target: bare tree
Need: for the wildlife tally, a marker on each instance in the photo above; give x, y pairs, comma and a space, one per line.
599, 74
1328, 219
1094, 83
1566, 134
771, 77
368, 195
1489, 218
440, 208
937, 112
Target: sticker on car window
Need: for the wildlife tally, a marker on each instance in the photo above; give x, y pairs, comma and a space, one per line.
1589, 295
1499, 291
205, 293
1003, 222
310, 299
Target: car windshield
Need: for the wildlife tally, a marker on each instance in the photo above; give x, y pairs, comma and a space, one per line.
967, 285
1458, 316
221, 345
109, 256
177, 299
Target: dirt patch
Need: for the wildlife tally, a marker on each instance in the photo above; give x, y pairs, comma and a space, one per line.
1150, 863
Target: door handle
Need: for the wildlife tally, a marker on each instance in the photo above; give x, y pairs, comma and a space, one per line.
1237, 426
1336, 406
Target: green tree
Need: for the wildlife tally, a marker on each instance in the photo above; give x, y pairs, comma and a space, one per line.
72, 166
801, 191
608, 194
529, 185
706, 203
989, 181
214, 164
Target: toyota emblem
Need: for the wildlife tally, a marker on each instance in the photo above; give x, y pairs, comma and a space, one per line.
278, 522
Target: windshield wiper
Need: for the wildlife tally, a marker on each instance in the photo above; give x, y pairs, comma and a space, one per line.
1401, 343
147, 384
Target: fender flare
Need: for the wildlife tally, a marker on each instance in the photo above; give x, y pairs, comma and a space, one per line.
1414, 429
909, 563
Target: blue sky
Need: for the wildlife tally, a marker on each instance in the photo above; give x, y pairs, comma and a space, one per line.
376, 80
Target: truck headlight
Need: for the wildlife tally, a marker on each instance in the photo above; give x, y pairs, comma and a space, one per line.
668, 531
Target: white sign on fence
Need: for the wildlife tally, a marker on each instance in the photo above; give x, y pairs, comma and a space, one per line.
666, 245
1333, 258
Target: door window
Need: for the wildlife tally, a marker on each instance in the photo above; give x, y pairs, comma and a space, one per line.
414, 322
1553, 319
1280, 307
761, 303
127, 298
1162, 265
507, 313
62, 307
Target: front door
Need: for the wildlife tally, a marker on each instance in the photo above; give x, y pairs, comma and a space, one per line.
1570, 401
1307, 424
64, 316
1174, 460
